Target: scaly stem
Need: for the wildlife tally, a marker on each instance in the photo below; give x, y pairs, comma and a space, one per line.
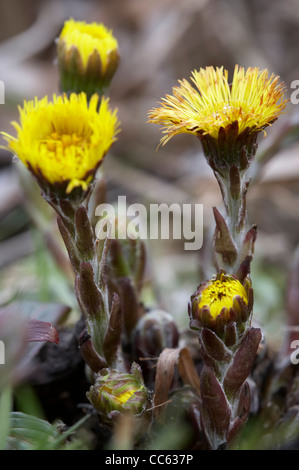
233, 185
224, 391
88, 256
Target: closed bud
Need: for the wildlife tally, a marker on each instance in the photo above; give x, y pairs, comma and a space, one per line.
115, 392
155, 331
87, 57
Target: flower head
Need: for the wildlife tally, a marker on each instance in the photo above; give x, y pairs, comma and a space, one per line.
253, 100
118, 392
220, 301
87, 56
63, 142
213, 109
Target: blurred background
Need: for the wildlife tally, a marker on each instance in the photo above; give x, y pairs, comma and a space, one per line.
160, 41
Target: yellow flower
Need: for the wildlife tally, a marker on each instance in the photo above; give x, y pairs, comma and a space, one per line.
64, 141
220, 301
87, 56
221, 294
253, 100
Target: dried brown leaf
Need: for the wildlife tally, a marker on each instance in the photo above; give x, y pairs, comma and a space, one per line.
171, 360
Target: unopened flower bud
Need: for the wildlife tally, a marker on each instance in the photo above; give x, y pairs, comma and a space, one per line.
87, 57
155, 331
114, 392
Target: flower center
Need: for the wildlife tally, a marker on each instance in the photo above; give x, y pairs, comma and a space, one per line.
59, 143
61, 146
221, 293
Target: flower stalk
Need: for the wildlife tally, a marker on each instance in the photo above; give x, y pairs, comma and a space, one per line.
88, 255
227, 118
63, 143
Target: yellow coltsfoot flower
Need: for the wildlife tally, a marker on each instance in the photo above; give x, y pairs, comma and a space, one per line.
63, 142
221, 301
226, 117
87, 57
